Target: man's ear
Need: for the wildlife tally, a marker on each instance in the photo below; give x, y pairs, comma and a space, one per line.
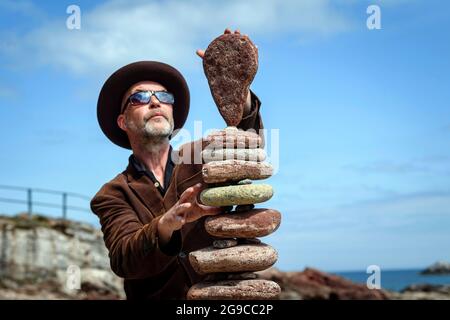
121, 122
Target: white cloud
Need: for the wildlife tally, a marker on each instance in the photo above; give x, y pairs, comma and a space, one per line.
118, 32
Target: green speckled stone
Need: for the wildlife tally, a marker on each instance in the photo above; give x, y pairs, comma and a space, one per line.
236, 195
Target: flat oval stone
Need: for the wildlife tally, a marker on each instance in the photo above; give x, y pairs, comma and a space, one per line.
233, 139
237, 194
235, 170
221, 154
241, 258
255, 289
250, 224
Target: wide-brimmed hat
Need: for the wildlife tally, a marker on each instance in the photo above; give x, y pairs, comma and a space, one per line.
111, 95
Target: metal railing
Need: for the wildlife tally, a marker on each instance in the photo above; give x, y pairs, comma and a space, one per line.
31, 203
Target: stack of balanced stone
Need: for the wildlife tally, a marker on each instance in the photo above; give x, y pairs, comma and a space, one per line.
231, 161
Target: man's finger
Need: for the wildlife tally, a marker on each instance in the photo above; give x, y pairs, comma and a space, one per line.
182, 208
200, 53
237, 31
186, 195
227, 31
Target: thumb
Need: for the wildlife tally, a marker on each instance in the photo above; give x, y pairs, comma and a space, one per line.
200, 53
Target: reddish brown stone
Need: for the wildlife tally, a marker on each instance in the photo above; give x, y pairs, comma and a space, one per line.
235, 170
230, 64
250, 224
241, 258
256, 289
233, 139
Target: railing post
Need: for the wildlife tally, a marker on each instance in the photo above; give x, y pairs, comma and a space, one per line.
30, 203
64, 205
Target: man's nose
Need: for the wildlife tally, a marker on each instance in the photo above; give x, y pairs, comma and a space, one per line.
154, 102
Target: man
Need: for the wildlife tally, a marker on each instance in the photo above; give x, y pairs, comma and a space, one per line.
150, 216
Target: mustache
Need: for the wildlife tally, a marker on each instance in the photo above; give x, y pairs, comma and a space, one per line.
159, 113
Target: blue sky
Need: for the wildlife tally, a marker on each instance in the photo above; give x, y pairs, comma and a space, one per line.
364, 115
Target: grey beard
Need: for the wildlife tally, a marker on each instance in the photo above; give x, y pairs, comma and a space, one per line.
152, 138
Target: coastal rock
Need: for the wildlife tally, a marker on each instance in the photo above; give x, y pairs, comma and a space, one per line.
235, 170
37, 252
236, 195
314, 284
228, 139
250, 224
439, 267
230, 64
255, 155
241, 258
235, 290
423, 292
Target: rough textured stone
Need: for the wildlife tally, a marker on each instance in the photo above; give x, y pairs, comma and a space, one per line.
224, 243
256, 289
230, 64
250, 257
235, 170
220, 154
250, 224
237, 194
230, 139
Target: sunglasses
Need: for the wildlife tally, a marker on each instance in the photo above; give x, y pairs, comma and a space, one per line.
144, 97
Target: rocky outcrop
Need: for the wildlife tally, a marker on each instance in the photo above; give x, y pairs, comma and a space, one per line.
40, 257
439, 267
423, 292
314, 284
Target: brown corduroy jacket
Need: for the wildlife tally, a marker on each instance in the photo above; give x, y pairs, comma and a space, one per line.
129, 208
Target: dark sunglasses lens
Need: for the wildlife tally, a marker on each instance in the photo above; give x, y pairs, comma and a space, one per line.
165, 97
140, 98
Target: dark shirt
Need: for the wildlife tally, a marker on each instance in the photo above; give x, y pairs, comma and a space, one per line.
141, 169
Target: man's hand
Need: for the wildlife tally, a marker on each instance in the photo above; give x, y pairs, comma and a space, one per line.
248, 104
186, 210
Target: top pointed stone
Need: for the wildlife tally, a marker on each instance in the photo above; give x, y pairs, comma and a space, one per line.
230, 64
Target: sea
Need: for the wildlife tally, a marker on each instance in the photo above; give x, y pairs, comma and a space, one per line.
396, 280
